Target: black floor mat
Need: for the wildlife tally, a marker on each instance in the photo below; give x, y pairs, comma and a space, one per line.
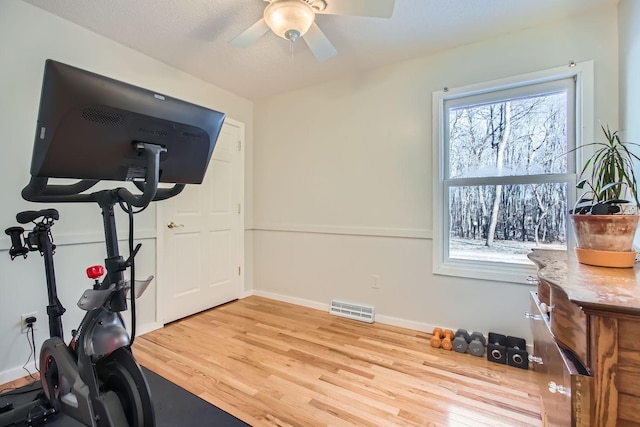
174, 407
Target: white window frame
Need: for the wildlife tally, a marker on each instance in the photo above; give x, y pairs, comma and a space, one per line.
494, 271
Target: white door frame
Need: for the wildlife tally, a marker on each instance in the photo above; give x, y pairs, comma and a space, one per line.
162, 220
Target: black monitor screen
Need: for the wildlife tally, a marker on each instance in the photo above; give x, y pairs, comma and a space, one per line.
89, 126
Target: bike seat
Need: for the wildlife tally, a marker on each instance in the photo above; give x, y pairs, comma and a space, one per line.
30, 216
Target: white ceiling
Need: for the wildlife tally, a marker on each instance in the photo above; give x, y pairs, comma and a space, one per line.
193, 35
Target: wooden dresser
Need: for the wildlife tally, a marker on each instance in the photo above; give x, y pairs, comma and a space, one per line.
586, 327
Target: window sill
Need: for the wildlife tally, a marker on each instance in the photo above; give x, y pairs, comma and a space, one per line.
489, 271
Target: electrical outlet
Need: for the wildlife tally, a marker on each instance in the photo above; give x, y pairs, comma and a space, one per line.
375, 281
23, 322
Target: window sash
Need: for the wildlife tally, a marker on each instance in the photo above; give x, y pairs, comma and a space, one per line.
510, 179
493, 254
493, 95
515, 90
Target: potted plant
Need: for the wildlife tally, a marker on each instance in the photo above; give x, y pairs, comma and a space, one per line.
603, 222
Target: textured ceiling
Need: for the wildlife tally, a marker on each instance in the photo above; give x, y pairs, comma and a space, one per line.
193, 35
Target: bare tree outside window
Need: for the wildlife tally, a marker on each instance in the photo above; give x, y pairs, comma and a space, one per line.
499, 152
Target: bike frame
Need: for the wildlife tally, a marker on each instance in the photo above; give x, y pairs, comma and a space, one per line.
102, 331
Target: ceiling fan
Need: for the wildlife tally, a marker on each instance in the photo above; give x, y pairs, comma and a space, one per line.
293, 19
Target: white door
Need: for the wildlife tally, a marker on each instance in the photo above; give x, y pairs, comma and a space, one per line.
202, 251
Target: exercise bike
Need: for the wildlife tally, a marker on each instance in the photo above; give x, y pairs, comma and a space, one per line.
92, 128
94, 378
114, 367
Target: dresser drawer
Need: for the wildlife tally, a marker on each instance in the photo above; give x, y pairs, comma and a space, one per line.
564, 389
544, 293
569, 324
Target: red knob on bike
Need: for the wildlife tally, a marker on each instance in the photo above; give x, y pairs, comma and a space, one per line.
95, 271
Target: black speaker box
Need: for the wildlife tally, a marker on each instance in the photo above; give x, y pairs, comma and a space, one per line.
497, 348
518, 358
517, 355
514, 342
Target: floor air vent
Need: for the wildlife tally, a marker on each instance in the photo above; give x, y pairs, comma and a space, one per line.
364, 313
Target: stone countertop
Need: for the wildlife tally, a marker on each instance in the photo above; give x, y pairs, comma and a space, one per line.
593, 288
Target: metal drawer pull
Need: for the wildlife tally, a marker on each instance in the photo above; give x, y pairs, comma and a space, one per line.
536, 359
533, 316
544, 308
532, 280
555, 388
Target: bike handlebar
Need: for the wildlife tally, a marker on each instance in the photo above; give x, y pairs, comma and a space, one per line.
39, 189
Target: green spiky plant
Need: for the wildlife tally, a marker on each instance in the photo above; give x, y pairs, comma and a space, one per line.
609, 170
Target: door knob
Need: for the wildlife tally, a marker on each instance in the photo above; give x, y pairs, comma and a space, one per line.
174, 225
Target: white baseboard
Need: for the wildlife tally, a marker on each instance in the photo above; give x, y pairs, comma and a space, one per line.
403, 323
387, 320
245, 294
291, 300
16, 373
148, 327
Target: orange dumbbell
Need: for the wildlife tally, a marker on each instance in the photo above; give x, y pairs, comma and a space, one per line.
442, 339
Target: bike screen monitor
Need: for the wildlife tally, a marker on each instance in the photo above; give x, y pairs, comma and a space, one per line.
91, 126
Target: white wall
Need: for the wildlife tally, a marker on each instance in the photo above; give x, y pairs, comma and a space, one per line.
345, 192
28, 36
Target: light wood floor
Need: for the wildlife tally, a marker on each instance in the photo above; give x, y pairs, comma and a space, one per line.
275, 364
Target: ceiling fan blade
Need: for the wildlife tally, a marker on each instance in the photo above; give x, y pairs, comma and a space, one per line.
373, 8
251, 34
318, 43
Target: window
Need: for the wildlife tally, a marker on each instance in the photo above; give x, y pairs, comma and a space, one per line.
505, 182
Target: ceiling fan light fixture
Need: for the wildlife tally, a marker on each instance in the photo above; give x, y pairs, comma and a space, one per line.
289, 19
